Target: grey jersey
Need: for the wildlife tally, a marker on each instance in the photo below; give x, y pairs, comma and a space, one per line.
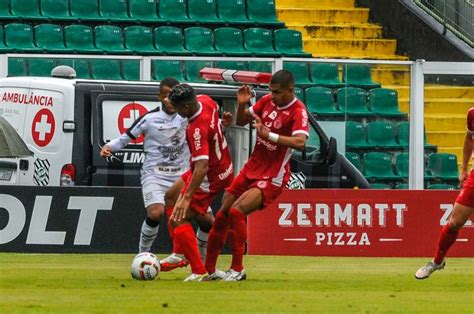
165, 147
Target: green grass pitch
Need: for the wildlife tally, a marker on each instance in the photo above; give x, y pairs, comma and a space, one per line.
101, 283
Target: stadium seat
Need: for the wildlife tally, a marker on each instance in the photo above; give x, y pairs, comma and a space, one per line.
384, 102
192, 69
358, 75
299, 93
143, 11
300, 72
443, 166
80, 39
114, 10
229, 41
5, 11
174, 11
403, 136
356, 137
85, 10
170, 40
353, 102
106, 69
200, 41
320, 100
260, 66
381, 134
401, 186
3, 47
167, 68
110, 39
354, 158
19, 37
25, 9
262, 12
379, 186
289, 43
50, 38
55, 10
41, 66
259, 41
131, 70
378, 166
325, 74
401, 165
232, 65
17, 67
441, 186
82, 67
203, 11
139, 39
232, 12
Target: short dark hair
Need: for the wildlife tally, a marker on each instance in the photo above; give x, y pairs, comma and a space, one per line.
283, 77
169, 82
182, 94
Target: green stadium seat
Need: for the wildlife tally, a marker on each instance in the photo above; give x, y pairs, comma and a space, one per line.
232, 65
289, 43
229, 41
5, 13
401, 164
106, 69
358, 75
167, 68
19, 37
403, 136
320, 101
260, 66
50, 38
17, 67
82, 67
384, 102
300, 72
174, 11
299, 93
203, 11
381, 134
143, 11
354, 158
85, 10
192, 69
325, 74
139, 39
443, 166
263, 12
80, 38
55, 10
41, 66
114, 10
3, 47
233, 12
401, 186
110, 39
441, 186
170, 40
131, 70
356, 137
353, 102
379, 186
378, 166
26, 9
200, 41
259, 41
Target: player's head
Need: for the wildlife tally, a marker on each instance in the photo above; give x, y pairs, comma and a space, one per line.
282, 86
183, 99
166, 85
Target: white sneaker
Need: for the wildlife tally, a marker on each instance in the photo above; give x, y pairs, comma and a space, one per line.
232, 275
173, 261
195, 277
217, 275
426, 271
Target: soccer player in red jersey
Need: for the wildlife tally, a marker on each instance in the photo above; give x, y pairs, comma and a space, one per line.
281, 122
211, 169
463, 207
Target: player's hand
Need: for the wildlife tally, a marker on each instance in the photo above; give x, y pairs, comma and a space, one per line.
462, 176
244, 94
105, 151
227, 119
179, 211
262, 130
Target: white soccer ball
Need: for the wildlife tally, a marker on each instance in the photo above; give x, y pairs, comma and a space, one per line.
145, 266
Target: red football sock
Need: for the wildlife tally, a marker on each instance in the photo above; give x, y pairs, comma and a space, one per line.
216, 240
176, 247
446, 239
184, 235
237, 238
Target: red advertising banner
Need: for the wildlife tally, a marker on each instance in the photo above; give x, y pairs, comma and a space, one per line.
356, 223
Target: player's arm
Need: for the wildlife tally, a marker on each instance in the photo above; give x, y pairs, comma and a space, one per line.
466, 156
137, 128
296, 141
244, 116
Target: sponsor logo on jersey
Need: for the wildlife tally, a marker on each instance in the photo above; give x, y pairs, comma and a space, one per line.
226, 173
272, 115
197, 139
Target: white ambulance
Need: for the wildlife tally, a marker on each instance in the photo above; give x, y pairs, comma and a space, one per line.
65, 122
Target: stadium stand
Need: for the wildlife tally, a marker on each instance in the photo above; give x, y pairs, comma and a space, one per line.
233, 12
139, 39
80, 38
229, 42
143, 11
193, 68
50, 38
259, 41
200, 41
325, 74
320, 101
170, 40
381, 134
353, 102
109, 39
378, 167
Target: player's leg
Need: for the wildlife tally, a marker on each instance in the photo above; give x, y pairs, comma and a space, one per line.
153, 197
205, 223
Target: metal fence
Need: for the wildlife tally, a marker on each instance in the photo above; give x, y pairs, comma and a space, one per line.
455, 15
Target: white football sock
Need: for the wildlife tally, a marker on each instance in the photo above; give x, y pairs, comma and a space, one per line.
147, 237
202, 243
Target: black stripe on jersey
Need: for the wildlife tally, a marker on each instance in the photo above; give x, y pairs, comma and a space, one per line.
129, 133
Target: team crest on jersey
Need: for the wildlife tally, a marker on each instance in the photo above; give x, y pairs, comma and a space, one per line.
277, 124
297, 181
262, 184
41, 172
272, 115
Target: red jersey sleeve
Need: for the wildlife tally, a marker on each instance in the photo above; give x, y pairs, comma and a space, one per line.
300, 121
470, 121
257, 108
198, 141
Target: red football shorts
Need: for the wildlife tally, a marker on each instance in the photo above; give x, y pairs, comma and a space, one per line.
270, 192
201, 199
466, 196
